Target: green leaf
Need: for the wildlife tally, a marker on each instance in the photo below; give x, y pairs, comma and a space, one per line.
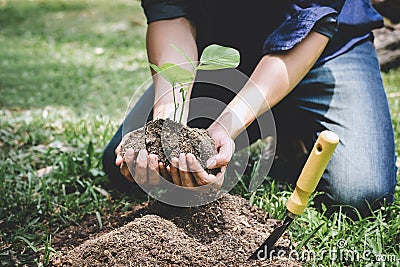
30, 244
155, 67
185, 55
98, 217
215, 57
305, 240
173, 73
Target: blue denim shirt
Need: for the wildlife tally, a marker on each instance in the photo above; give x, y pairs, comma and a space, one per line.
272, 26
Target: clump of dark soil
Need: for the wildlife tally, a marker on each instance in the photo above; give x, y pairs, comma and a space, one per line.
223, 233
167, 139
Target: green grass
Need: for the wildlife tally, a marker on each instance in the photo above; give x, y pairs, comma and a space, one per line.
61, 102
34, 204
392, 86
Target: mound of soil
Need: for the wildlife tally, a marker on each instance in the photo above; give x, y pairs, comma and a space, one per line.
223, 233
167, 139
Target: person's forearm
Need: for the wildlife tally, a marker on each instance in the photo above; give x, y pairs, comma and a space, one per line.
274, 77
160, 35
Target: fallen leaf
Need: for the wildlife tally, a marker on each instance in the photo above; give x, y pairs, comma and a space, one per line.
99, 51
43, 171
101, 191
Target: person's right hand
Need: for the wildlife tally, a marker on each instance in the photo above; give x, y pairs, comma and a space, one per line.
224, 146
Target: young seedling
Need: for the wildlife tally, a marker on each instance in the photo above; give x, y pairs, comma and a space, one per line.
214, 57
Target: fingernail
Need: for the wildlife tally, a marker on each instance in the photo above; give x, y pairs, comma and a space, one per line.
154, 161
142, 154
190, 158
174, 162
211, 162
129, 154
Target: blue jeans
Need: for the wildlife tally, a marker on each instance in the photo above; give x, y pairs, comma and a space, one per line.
344, 95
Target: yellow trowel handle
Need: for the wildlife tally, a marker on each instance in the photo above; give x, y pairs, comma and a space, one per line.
312, 171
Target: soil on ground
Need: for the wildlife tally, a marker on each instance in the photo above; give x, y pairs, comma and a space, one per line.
223, 233
167, 139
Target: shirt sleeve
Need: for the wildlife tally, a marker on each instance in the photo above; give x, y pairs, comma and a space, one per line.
326, 26
166, 9
303, 17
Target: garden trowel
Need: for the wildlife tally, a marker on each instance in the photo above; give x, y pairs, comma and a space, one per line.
305, 186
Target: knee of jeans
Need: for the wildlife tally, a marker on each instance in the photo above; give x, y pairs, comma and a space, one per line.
372, 198
365, 196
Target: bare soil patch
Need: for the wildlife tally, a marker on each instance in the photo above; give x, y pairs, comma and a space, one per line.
223, 233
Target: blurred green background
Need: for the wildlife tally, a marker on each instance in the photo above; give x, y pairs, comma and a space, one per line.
85, 56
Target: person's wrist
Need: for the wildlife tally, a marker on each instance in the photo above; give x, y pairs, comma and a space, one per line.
217, 128
228, 123
163, 112
167, 111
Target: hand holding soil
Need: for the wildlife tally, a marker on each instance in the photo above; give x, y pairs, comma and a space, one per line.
174, 151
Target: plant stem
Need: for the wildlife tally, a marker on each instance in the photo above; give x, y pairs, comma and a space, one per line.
184, 94
176, 105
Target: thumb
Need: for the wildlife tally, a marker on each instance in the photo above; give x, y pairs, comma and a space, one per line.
216, 162
119, 159
223, 157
